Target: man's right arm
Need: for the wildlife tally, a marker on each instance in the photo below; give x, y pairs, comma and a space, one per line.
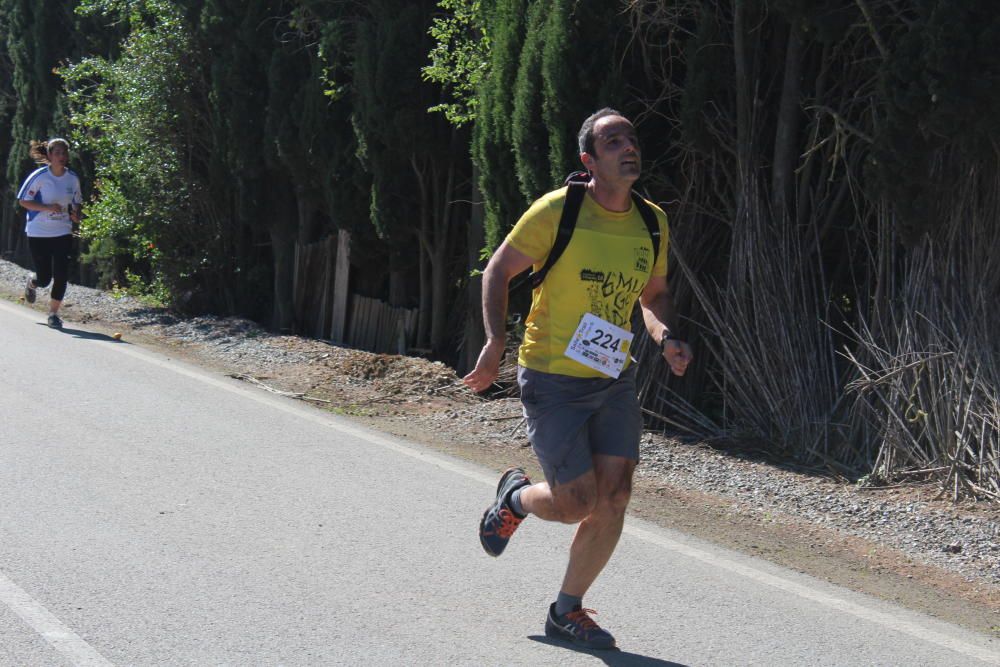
506, 263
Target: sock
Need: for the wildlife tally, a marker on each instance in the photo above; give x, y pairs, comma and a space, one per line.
567, 603
515, 502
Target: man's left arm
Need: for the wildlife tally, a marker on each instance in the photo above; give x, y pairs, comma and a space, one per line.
660, 317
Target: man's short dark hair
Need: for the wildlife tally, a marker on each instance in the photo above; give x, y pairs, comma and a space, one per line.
586, 136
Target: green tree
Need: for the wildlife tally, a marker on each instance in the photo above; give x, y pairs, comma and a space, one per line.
415, 159
9, 220
142, 117
459, 58
493, 132
39, 36
256, 191
552, 63
33, 53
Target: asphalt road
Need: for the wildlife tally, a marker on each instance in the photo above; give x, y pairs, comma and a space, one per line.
152, 513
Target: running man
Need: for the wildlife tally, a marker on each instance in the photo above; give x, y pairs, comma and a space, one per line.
582, 409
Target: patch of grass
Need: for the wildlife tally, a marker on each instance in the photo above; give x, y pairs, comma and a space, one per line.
352, 410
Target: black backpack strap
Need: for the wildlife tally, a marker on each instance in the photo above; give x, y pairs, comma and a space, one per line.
652, 225
576, 188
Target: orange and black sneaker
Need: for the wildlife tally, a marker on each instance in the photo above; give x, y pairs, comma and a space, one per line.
578, 627
500, 521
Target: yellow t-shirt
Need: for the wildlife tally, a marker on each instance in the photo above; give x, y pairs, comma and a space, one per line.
602, 271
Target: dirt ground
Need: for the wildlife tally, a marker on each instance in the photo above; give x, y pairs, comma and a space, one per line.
424, 402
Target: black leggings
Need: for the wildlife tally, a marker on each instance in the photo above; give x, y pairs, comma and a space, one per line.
52, 257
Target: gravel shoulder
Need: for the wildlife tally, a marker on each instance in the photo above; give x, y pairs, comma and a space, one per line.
899, 544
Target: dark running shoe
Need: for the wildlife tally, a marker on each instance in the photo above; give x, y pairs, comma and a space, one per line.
499, 521
30, 289
54, 321
578, 627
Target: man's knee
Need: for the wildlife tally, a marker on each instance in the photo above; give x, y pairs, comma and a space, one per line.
615, 501
614, 484
575, 501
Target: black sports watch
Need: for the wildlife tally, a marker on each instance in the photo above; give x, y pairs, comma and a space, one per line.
667, 336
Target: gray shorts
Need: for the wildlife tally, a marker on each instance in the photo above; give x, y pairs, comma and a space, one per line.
570, 419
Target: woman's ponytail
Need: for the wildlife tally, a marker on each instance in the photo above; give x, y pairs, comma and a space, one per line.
40, 149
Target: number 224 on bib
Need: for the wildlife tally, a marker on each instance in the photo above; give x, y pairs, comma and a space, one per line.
600, 345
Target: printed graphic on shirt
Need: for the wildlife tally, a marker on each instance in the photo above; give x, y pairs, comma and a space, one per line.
612, 298
642, 258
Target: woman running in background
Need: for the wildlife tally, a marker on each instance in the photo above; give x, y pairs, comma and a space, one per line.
51, 195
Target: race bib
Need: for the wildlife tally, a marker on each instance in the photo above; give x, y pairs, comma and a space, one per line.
600, 345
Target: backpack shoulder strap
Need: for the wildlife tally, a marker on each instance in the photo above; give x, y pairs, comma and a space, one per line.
652, 225
575, 190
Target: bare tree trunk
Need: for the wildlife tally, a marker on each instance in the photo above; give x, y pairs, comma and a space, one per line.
423, 236
7, 221
743, 110
805, 204
474, 336
786, 134
282, 228
341, 284
439, 266
283, 250
423, 314
397, 283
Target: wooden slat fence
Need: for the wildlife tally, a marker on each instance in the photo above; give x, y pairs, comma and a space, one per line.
376, 326
371, 324
312, 287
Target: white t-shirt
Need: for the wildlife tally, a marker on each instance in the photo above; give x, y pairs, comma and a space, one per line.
45, 187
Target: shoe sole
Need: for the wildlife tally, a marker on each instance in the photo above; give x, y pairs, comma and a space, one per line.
507, 473
482, 539
557, 633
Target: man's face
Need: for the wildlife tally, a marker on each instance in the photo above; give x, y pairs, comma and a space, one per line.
616, 151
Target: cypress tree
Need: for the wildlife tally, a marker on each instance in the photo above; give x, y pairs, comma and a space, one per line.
414, 157
33, 30
492, 146
39, 37
254, 186
530, 137
579, 75
552, 63
9, 220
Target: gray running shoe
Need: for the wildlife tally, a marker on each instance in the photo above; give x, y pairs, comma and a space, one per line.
578, 627
30, 289
499, 521
54, 321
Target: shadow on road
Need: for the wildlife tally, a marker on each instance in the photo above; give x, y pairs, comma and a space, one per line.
614, 658
87, 335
